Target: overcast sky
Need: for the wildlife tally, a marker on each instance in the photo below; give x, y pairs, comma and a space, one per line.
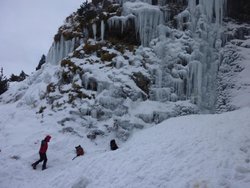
27, 28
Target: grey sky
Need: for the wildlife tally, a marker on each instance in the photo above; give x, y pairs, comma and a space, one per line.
27, 28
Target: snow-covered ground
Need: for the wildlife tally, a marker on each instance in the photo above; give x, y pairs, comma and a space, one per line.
191, 151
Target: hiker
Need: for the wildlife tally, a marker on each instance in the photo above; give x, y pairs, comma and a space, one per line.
79, 151
42, 153
113, 145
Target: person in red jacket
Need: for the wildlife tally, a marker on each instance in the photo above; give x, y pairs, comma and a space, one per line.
42, 153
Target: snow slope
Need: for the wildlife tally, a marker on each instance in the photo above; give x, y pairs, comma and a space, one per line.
191, 151
243, 80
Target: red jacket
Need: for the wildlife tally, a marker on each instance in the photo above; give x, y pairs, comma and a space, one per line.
44, 145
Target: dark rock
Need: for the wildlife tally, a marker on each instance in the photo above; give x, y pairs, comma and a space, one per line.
142, 82
239, 10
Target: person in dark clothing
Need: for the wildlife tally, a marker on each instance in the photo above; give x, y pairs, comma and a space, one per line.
113, 145
79, 151
42, 153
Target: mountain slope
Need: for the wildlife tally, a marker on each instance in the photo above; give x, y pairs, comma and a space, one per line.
190, 151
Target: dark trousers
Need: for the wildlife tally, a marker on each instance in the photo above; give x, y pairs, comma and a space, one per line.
43, 158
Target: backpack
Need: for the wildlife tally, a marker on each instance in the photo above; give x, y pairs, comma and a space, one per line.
79, 150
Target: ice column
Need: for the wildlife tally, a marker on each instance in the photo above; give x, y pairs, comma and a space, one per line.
194, 82
102, 30
94, 30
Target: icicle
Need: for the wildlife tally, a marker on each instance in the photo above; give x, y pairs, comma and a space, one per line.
159, 78
102, 30
161, 94
59, 50
94, 30
67, 47
178, 86
148, 17
85, 33
117, 21
195, 81
73, 43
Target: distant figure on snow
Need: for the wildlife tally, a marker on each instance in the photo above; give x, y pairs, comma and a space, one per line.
79, 151
42, 153
113, 145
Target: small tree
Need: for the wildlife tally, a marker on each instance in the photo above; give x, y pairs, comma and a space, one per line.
22, 76
3, 82
15, 78
41, 62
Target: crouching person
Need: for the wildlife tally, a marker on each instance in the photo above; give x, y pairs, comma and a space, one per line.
79, 151
113, 145
42, 153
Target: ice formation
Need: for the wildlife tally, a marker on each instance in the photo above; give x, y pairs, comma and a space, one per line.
146, 18
213, 9
60, 49
102, 30
190, 55
121, 21
94, 30
206, 18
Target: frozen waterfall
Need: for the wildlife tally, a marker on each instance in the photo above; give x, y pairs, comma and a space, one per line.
190, 55
206, 20
59, 50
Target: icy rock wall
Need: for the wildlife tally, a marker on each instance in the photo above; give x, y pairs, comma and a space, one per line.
180, 76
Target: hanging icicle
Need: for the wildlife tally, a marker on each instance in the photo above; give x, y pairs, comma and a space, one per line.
94, 30
59, 50
148, 17
120, 21
102, 30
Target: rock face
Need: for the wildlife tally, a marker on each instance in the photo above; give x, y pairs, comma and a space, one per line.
239, 10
